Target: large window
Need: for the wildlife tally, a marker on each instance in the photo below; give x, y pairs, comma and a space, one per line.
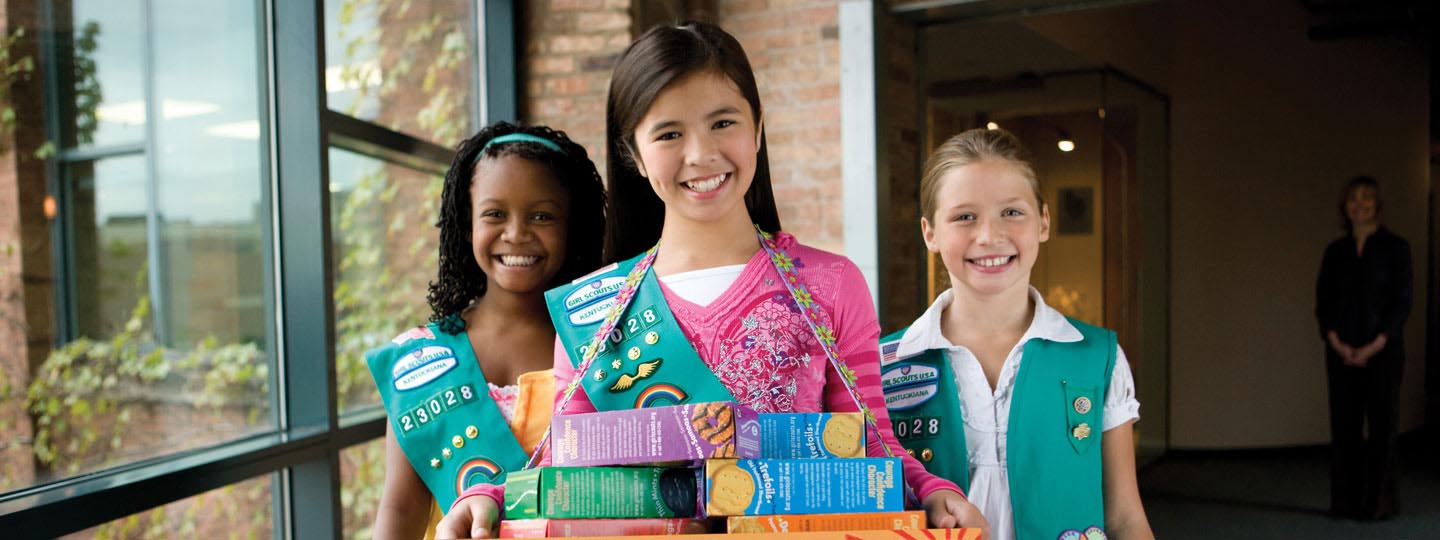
219, 206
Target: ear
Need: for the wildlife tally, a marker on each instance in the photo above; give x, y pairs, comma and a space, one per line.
1044, 222
639, 165
928, 233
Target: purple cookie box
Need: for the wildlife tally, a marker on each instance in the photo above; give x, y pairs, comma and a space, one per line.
654, 435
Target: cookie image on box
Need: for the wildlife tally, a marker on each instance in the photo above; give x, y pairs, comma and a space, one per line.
715, 424
730, 490
844, 436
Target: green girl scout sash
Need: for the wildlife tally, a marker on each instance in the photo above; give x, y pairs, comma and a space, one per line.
438, 401
644, 359
631, 353
1058, 402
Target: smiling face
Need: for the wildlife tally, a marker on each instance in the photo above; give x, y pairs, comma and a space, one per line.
1362, 206
517, 223
987, 226
697, 145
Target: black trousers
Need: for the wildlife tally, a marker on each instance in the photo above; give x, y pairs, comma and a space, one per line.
1364, 412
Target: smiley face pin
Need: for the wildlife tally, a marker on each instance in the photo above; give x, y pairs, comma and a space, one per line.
1082, 405
633, 353
652, 337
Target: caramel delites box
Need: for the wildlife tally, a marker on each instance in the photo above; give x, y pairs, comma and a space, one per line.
602, 492
689, 432
753, 487
564, 528
877, 521
811, 435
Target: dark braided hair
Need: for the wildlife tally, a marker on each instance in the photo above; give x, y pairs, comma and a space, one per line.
460, 280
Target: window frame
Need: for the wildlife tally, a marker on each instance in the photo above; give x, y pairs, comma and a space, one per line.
302, 455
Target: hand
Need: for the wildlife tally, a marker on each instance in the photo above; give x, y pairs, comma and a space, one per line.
471, 517
1346, 352
1363, 354
948, 509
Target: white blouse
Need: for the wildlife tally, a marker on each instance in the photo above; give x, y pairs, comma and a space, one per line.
986, 414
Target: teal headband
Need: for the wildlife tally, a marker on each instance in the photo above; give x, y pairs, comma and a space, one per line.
519, 137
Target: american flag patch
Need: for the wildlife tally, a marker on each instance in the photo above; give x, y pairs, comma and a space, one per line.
889, 352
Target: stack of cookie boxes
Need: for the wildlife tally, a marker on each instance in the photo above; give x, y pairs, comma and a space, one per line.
662, 470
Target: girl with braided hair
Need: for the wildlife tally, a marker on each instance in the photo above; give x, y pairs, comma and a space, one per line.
468, 395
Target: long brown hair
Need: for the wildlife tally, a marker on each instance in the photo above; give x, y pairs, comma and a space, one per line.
661, 56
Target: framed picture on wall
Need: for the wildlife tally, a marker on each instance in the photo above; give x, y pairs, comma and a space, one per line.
1074, 212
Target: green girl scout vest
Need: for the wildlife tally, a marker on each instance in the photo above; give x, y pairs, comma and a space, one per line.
646, 361
438, 402
1058, 402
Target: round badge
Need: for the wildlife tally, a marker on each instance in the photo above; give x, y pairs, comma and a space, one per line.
1071, 534
458, 441
633, 353
472, 432
652, 338
926, 455
1094, 532
1082, 405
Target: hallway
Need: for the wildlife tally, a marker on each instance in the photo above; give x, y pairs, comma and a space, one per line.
1278, 494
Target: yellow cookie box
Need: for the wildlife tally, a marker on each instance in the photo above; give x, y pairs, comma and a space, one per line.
930, 534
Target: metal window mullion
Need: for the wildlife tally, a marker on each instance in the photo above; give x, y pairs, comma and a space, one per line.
306, 362
159, 304
500, 88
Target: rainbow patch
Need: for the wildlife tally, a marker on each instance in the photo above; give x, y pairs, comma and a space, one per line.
658, 394
476, 471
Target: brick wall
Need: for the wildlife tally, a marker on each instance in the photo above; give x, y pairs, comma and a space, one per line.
569, 49
25, 283
794, 48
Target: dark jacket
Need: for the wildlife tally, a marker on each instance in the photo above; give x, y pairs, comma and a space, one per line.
1361, 296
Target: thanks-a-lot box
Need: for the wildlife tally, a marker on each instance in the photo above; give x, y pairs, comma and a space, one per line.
602, 492
655, 435
751, 487
551, 528
811, 435
887, 521
930, 534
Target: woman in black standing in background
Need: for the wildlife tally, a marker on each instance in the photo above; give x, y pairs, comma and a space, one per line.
1362, 301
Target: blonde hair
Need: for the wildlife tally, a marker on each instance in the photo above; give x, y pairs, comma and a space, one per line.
973, 146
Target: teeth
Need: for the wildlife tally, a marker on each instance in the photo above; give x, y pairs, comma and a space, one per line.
518, 260
707, 185
993, 261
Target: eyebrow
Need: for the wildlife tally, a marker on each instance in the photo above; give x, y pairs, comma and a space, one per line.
493, 200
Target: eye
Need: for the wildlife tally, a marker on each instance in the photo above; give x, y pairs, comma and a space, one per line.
963, 216
1012, 212
492, 215
542, 217
722, 124
668, 136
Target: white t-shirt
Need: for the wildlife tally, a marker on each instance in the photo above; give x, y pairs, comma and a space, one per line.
986, 414
700, 287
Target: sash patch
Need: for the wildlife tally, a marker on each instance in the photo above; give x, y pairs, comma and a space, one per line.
908, 375
423, 366
910, 397
593, 291
476, 471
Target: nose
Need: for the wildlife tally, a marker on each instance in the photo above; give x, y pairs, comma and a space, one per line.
701, 149
990, 232
517, 229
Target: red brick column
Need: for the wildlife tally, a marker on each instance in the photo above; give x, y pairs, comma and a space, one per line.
570, 47
794, 48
